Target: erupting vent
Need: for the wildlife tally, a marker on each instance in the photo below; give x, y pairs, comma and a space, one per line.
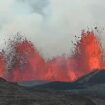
25, 63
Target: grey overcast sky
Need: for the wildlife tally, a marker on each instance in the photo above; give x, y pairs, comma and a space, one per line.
50, 24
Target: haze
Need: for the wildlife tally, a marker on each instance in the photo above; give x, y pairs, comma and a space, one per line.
50, 24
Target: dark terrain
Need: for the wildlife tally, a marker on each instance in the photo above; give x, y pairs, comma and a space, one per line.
88, 90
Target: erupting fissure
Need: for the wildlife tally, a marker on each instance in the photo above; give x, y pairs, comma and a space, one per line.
24, 63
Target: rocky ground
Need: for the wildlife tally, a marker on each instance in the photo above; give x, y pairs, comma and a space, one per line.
44, 97
14, 94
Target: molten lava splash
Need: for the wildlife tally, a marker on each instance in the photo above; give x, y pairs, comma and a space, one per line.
27, 64
60, 69
86, 58
2, 65
57, 69
88, 53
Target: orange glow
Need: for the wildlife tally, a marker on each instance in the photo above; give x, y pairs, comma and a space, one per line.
88, 53
2, 65
28, 64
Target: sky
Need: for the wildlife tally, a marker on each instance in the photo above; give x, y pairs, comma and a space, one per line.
50, 24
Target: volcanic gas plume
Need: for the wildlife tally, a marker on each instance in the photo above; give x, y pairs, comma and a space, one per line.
24, 63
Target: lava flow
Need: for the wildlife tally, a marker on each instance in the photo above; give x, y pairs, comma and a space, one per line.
27, 64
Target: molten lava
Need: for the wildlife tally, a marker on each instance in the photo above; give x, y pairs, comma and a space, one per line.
88, 53
57, 69
2, 65
27, 64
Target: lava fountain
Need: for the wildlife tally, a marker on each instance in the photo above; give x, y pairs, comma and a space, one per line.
24, 63
88, 53
2, 65
27, 64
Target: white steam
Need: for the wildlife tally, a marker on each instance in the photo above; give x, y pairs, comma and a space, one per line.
50, 24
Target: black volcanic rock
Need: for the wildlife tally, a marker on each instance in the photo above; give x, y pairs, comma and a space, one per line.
88, 90
92, 84
59, 86
13, 94
32, 83
96, 77
2, 80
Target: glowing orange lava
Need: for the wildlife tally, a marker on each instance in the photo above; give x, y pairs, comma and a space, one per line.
88, 53
28, 64
2, 65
